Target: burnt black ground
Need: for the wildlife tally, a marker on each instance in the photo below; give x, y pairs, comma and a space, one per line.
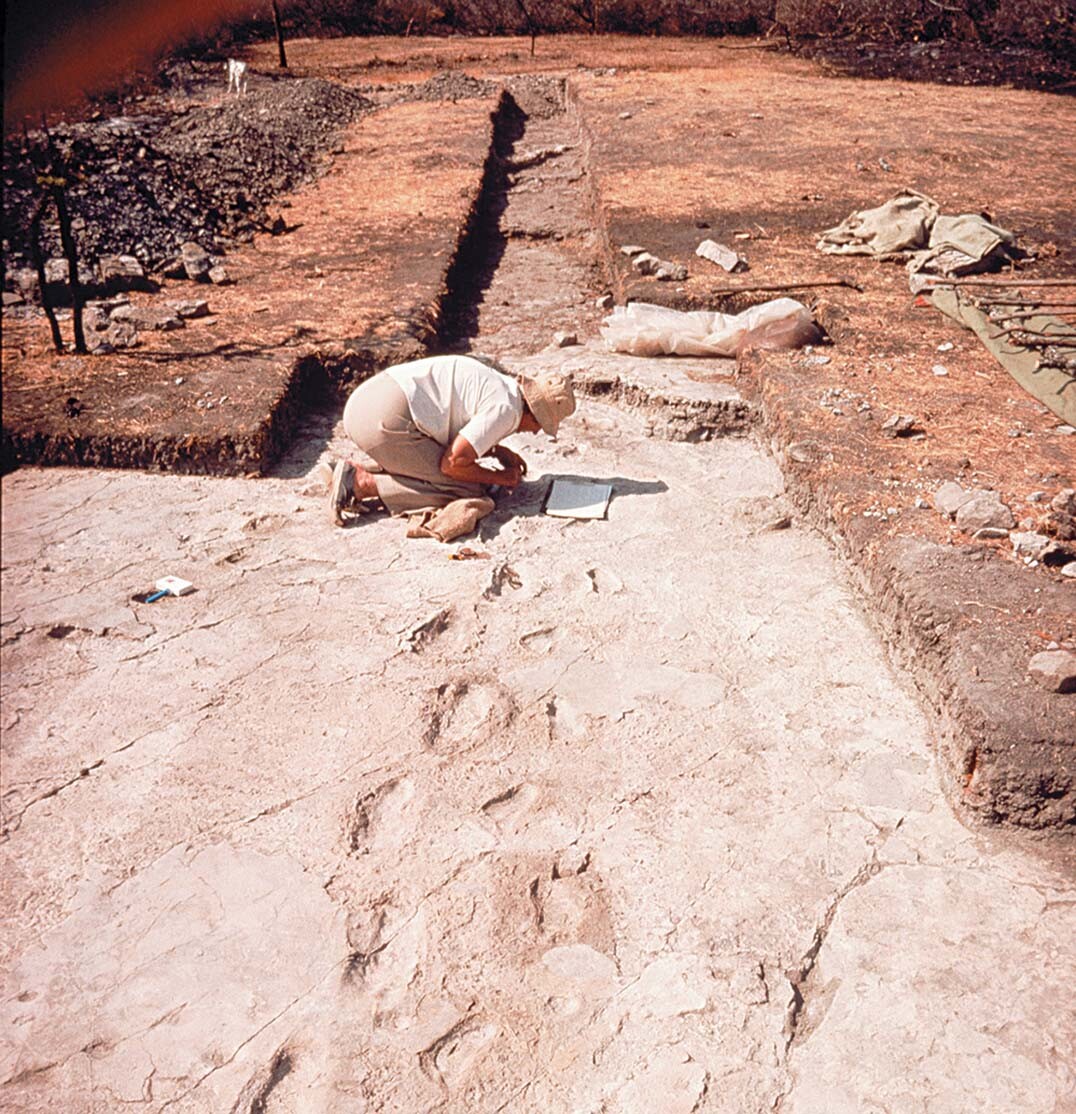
144, 184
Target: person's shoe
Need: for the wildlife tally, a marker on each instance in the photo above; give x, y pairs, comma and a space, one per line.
342, 491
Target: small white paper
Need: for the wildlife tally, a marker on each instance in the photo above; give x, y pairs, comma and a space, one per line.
578, 499
174, 585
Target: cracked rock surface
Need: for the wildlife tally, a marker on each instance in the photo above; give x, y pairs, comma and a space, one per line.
630, 816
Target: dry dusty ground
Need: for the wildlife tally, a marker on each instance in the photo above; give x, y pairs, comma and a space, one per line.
631, 816
626, 816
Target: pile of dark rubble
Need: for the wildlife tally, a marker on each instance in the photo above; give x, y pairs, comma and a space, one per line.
170, 193
946, 62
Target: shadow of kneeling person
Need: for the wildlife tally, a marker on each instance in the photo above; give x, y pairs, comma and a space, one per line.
529, 499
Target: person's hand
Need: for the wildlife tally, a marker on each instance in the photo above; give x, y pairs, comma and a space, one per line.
509, 460
510, 475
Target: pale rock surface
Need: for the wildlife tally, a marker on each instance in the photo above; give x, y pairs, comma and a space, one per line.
1029, 544
949, 498
641, 822
1055, 670
984, 508
195, 261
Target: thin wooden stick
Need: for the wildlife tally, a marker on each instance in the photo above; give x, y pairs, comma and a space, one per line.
1063, 314
1035, 333
1040, 341
850, 283
1025, 303
1003, 282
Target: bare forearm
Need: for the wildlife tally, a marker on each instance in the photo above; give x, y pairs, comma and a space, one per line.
472, 473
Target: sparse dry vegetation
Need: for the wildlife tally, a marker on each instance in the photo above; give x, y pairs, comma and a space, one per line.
1045, 25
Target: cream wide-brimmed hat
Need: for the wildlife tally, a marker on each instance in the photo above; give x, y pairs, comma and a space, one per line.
550, 398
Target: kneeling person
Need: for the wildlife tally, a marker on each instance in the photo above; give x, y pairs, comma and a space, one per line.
427, 424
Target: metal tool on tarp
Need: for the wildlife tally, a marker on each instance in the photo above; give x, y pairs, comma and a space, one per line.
169, 586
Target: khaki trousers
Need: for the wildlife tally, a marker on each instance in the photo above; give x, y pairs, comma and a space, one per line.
378, 419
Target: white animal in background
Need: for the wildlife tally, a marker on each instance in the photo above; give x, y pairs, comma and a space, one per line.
237, 75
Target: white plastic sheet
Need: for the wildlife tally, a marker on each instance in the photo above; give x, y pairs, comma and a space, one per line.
642, 329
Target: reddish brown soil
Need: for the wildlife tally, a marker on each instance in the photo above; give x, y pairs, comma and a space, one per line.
358, 280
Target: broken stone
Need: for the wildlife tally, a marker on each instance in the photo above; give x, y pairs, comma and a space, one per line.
1064, 502
606, 301
990, 532
25, 282
1055, 670
56, 271
13, 299
190, 308
1029, 544
671, 272
784, 522
900, 425
949, 498
984, 508
122, 334
645, 263
947, 346
940, 369
219, 276
722, 255
1069, 570
631, 249
95, 318
122, 272
565, 339
195, 259
147, 318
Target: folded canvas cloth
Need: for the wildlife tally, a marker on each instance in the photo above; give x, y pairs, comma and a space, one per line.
459, 517
963, 245
901, 224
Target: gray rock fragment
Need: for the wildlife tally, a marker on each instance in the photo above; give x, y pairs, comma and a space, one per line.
95, 318
1069, 570
219, 276
122, 334
722, 255
190, 308
606, 301
196, 262
984, 508
632, 249
1064, 502
11, 298
784, 522
25, 281
563, 339
990, 532
146, 318
1055, 670
645, 263
1029, 544
671, 272
949, 498
900, 425
122, 272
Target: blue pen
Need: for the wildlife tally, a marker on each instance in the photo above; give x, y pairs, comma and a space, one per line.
155, 597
